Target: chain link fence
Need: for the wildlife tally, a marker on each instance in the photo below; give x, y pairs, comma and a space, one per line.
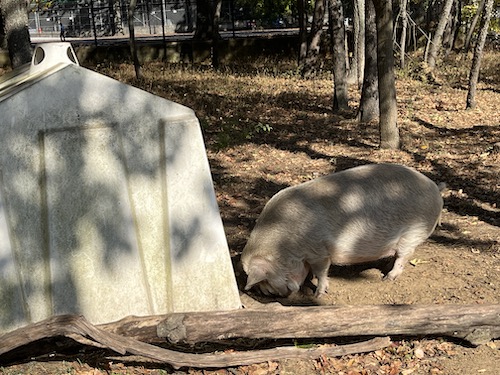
107, 18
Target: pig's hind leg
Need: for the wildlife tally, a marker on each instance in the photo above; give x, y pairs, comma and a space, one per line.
405, 248
320, 268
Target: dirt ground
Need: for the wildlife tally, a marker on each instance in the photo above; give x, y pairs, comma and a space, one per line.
268, 130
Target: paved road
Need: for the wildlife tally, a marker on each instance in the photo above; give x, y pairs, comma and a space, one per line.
175, 37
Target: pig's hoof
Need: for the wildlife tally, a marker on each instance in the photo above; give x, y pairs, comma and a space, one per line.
320, 293
390, 276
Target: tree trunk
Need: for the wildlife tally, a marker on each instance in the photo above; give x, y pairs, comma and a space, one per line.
454, 25
389, 133
353, 63
215, 33
447, 34
457, 25
438, 34
15, 23
404, 27
3, 39
472, 26
478, 52
133, 46
118, 16
359, 40
337, 31
311, 64
204, 22
302, 15
369, 102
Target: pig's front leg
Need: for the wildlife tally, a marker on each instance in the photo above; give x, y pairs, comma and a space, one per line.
320, 269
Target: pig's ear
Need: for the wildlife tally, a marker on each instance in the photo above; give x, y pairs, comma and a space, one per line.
257, 272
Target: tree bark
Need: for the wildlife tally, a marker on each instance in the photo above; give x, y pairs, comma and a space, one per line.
404, 27
310, 68
359, 40
369, 105
3, 39
118, 16
133, 45
475, 323
80, 330
455, 23
337, 31
15, 23
438, 34
217, 4
302, 15
389, 133
204, 22
353, 66
478, 53
472, 26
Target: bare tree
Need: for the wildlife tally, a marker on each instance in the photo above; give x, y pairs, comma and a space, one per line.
133, 45
117, 16
14, 16
472, 26
438, 34
359, 41
313, 45
454, 27
389, 132
208, 14
337, 33
368, 105
3, 39
302, 15
204, 22
217, 4
404, 27
478, 52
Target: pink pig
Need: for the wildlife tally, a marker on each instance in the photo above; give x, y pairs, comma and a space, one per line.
355, 216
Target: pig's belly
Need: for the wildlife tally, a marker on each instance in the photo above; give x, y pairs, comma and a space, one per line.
361, 241
346, 256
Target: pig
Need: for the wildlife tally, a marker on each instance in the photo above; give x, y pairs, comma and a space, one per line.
355, 216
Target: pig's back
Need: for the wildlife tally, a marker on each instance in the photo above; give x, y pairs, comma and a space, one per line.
364, 207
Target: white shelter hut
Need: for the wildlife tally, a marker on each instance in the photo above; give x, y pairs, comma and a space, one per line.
107, 206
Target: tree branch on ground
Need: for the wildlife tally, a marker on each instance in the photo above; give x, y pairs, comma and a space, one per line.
80, 330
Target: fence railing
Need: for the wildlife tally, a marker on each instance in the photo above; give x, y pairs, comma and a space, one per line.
99, 18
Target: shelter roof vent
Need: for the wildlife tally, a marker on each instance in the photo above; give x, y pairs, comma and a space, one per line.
47, 59
46, 55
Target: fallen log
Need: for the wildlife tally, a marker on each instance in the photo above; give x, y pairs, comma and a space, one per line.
142, 328
79, 329
477, 324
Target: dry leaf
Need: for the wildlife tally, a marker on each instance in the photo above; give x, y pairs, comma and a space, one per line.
416, 261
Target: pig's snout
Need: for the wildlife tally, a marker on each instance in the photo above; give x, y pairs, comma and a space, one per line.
271, 279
